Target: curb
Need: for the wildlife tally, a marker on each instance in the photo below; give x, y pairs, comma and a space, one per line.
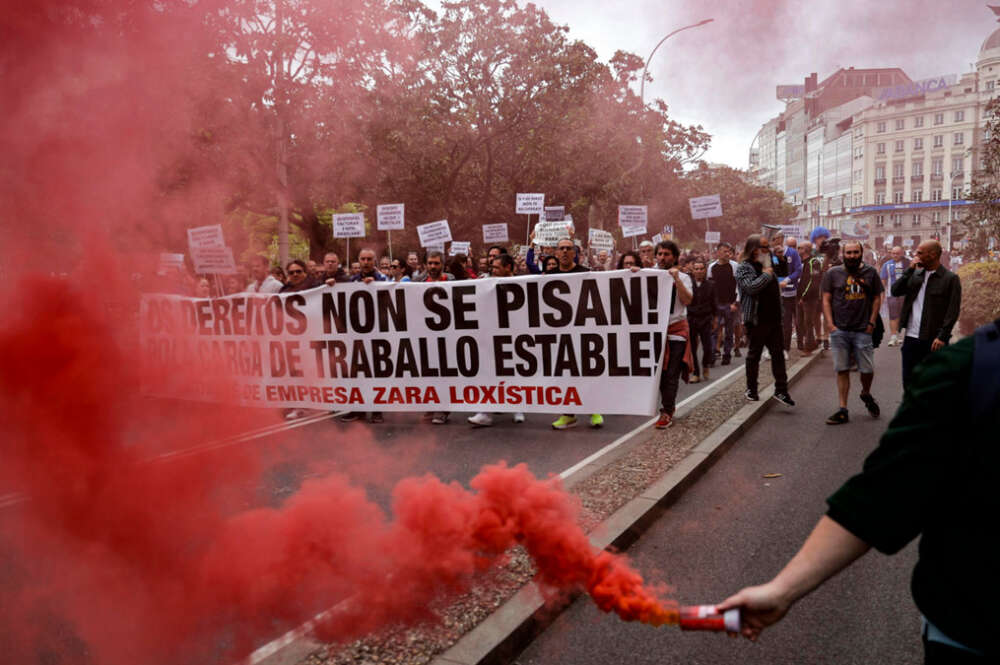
504, 634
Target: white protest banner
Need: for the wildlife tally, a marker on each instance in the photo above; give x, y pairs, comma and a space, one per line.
495, 233
631, 230
633, 216
600, 239
791, 230
213, 260
530, 204
522, 251
592, 344
889, 238
459, 247
908, 242
657, 239
390, 217
703, 207
547, 234
555, 213
434, 233
349, 225
713, 237
435, 247
168, 261
206, 236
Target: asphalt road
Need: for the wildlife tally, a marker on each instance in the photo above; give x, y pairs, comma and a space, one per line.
735, 528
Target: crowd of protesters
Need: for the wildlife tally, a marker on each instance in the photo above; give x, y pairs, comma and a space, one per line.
756, 299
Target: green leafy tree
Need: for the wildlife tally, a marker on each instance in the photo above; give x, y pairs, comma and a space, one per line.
982, 219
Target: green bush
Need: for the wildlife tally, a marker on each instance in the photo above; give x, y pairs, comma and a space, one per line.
980, 295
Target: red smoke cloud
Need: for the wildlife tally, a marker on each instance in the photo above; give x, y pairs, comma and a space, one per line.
111, 558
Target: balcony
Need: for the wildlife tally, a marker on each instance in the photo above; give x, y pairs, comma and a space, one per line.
956, 175
879, 181
917, 177
937, 176
898, 180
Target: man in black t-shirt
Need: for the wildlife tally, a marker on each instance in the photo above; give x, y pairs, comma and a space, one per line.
852, 295
722, 272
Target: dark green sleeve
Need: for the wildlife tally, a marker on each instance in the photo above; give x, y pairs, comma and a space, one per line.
887, 504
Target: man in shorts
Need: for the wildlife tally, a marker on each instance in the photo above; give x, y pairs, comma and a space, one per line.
852, 295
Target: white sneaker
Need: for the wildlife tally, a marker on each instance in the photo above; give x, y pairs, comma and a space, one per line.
481, 420
519, 417
893, 341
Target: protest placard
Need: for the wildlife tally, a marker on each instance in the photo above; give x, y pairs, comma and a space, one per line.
633, 216
791, 230
555, 213
206, 236
667, 232
713, 237
908, 242
575, 343
703, 207
434, 233
171, 261
631, 230
600, 239
349, 225
547, 234
459, 247
889, 238
530, 204
657, 239
495, 233
390, 217
213, 260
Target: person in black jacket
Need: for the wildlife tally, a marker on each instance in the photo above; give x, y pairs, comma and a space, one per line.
701, 314
932, 297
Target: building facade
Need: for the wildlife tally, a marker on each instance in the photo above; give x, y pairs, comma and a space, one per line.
871, 153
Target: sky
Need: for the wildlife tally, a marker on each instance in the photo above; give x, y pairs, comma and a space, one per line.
723, 75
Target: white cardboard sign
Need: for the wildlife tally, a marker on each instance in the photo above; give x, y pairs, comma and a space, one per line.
530, 204
703, 207
600, 239
434, 233
547, 234
631, 230
172, 261
213, 260
390, 217
495, 233
657, 239
459, 247
633, 216
349, 225
713, 237
206, 236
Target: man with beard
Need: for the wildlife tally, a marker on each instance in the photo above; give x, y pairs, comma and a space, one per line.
701, 312
366, 275
435, 273
852, 295
677, 353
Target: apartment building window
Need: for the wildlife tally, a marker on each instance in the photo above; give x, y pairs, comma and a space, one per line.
939, 118
936, 217
897, 219
858, 153
880, 148
918, 121
859, 175
880, 172
897, 170
935, 195
879, 220
899, 146
857, 199
990, 85
918, 195
918, 144
880, 127
937, 166
956, 193
880, 198
897, 197
957, 165
900, 124
918, 169
915, 220
959, 116
959, 138
938, 140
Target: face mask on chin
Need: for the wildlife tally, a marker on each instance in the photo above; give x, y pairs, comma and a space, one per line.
852, 264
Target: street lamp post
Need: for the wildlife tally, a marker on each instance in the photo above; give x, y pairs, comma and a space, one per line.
642, 85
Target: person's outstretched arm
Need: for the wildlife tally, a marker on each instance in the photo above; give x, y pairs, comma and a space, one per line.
829, 549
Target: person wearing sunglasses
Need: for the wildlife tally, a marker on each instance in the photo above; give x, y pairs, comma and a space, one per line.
298, 277
399, 271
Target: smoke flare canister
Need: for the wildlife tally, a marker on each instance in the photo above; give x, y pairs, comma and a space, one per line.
706, 617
